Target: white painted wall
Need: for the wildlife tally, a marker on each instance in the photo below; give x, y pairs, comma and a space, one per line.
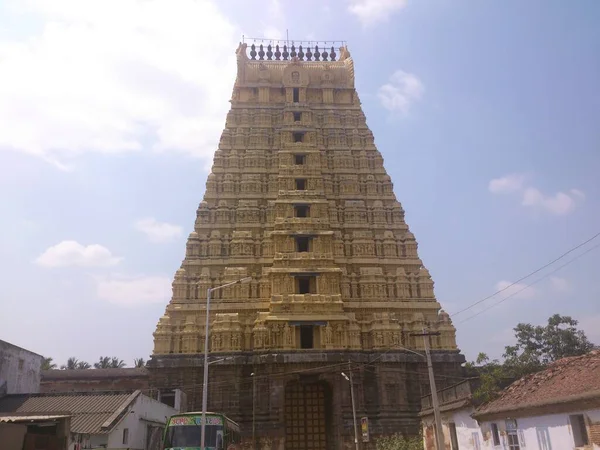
20, 369
466, 426
143, 411
535, 432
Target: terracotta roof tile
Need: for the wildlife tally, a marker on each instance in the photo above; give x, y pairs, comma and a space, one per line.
564, 380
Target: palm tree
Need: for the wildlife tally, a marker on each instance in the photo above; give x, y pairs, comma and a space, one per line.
103, 363
82, 365
48, 364
139, 362
74, 364
116, 363
71, 364
106, 362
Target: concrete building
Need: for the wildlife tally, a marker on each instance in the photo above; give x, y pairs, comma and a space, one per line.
110, 420
19, 369
298, 200
457, 405
555, 409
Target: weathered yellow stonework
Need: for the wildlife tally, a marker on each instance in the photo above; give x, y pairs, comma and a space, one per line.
295, 144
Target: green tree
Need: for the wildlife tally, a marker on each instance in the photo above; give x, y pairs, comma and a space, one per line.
536, 347
107, 362
48, 364
399, 442
139, 362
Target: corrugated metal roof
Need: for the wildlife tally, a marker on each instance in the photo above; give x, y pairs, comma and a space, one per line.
89, 411
28, 417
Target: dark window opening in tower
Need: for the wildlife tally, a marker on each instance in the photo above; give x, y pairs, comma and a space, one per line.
297, 116
302, 244
305, 285
299, 160
296, 95
301, 211
300, 184
307, 336
298, 137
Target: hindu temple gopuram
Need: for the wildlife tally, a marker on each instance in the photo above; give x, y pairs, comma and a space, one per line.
299, 200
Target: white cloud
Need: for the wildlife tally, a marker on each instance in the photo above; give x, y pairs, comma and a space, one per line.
275, 20
72, 253
370, 12
134, 291
158, 231
559, 284
559, 204
516, 291
402, 90
109, 76
507, 184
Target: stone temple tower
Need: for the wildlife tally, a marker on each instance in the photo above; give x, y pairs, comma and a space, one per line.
298, 199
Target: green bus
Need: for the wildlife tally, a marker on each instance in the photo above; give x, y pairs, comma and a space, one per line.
183, 432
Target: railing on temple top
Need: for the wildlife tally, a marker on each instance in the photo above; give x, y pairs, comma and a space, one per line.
282, 50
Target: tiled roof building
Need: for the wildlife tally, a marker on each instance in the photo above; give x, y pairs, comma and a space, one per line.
556, 408
564, 382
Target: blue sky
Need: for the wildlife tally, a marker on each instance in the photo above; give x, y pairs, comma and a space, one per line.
485, 112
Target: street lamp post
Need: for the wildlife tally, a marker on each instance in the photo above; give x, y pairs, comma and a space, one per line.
209, 291
353, 404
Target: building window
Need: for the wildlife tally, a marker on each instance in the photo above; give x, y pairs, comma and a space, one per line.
476, 441
297, 117
300, 184
306, 336
302, 244
580, 436
301, 210
453, 435
306, 285
125, 436
299, 160
299, 137
296, 93
21, 363
511, 435
495, 434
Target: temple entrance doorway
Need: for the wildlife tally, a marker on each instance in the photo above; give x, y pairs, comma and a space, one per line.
306, 415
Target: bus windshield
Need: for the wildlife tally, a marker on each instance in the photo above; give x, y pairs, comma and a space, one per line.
189, 436
184, 432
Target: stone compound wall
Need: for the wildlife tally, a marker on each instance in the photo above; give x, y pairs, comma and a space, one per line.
19, 369
129, 379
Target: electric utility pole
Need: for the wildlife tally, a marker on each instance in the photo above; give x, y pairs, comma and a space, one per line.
439, 432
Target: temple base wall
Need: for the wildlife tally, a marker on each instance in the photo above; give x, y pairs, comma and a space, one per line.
269, 393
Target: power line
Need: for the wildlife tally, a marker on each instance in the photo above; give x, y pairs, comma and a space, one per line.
527, 276
531, 284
